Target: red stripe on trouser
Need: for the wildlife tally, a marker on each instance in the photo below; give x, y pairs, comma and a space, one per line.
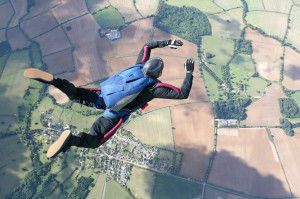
144, 106
112, 131
92, 89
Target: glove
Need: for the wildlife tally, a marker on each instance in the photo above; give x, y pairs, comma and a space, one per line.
189, 65
174, 43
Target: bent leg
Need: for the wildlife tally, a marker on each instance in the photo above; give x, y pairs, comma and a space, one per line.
100, 127
80, 95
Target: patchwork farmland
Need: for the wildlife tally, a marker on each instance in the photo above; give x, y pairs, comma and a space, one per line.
245, 64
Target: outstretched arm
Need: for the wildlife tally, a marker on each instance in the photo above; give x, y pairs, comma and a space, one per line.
145, 52
175, 93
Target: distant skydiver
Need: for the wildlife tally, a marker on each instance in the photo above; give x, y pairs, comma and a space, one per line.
119, 95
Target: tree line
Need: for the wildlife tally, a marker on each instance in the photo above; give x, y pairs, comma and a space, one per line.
186, 22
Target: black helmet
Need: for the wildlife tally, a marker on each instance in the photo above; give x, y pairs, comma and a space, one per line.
153, 67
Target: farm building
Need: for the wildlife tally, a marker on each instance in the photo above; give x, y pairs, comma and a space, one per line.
227, 123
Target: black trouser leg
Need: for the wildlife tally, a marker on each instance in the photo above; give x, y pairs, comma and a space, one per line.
100, 127
80, 95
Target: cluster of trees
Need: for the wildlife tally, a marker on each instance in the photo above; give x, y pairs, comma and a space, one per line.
30, 3
4, 48
186, 22
243, 46
289, 108
231, 108
226, 76
81, 191
287, 126
29, 186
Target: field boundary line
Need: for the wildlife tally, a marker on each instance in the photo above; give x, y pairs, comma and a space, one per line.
270, 11
57, 52
213, 155
196, 102
287, 28
4, 2
137, 10
60, 24
271, 138
228, 190
40, 13
263, 4
172, 130
224, 10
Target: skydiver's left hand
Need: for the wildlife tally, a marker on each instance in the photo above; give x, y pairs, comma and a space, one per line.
174, 43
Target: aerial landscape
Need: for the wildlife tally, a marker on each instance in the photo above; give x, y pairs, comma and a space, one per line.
237, 135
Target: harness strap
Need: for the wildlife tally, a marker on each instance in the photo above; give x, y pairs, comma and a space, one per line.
111, 132
174, 88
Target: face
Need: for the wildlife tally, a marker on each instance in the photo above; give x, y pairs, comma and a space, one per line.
160, 74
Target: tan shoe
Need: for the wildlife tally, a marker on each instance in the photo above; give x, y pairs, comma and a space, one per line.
59, 144
38, 75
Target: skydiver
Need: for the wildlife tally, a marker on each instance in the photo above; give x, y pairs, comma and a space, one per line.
107, 124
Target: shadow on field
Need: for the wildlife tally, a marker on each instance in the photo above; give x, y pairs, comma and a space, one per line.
229, 177
233, 27
12, 158
7, 103
293, 72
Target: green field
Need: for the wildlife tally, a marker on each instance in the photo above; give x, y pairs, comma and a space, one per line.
15, 163
175, 188
214, 89
113, 190
3, 60
221, 51
228, 4
62, 115
95, 5
256, 87
296, 96
109, 18
205, 6
159, 128
6, 121
141, 183
12, 78
255, 5
241, 69
293, 33
97, 191
35, 56
294, 120
275, 27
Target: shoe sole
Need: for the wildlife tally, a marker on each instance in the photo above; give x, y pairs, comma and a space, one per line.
34, 73
55, 148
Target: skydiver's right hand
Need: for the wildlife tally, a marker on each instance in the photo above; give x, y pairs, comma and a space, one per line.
174, 43
189, 65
